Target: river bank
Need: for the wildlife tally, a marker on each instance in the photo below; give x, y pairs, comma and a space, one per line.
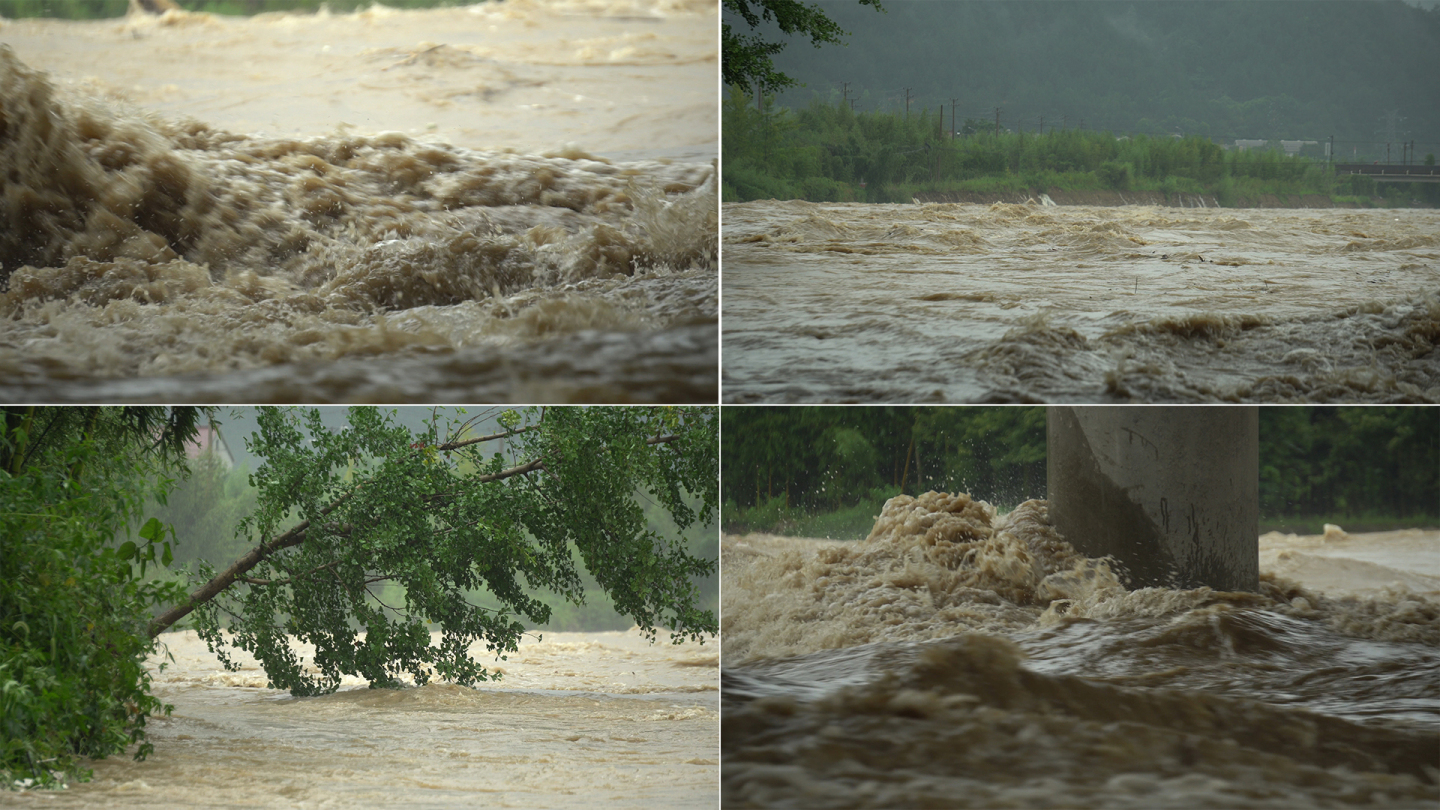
1059, 196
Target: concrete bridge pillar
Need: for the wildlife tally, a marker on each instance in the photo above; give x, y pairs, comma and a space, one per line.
1173, 493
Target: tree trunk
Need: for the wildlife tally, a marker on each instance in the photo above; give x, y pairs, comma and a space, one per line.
906, 474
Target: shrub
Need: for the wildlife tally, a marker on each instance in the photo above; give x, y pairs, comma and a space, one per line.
73, 639
823, 189
752, 184
1115, 175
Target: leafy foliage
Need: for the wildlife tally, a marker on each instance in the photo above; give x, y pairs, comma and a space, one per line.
203, 510
822, 459
746, 58
825, 471
1350, 461
827, 152
73, 609
379, 506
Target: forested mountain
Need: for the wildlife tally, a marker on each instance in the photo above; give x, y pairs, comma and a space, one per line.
1364, 71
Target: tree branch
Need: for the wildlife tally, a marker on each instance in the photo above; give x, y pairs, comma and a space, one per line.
250, 581
296, 535
456, 445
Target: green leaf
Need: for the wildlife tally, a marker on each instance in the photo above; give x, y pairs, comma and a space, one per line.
153, 530
126, 550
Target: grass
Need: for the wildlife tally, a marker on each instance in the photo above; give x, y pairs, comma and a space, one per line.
845, 523
1352, 524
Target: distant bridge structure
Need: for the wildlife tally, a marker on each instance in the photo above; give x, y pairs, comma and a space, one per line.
1391, 172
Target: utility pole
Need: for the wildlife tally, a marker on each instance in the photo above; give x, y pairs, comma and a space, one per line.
844, 92
997, 122
1390, 130
907, 104
952, 118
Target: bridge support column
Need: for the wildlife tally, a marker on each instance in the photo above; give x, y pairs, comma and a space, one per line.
1173, 493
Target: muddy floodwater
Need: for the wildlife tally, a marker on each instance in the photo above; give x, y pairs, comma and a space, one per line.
578, 720
1035, 303
498, 202
960, 658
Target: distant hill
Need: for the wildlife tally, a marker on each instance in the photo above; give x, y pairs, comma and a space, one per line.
1364, 71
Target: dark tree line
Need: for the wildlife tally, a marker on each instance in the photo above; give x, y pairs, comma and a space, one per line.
1321, 461
1349, 461
826, 458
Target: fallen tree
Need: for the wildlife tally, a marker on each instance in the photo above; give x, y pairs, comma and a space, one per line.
367, 537
374, 504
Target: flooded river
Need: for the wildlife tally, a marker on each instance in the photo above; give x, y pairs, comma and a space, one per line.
959, 658
578, 720
1029, 303
499, 202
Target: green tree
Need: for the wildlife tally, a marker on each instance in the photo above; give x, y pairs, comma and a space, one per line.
368, 506
376, 505
204, 509
746, 58
74, 604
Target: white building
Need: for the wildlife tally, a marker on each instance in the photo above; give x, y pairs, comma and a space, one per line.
209, 440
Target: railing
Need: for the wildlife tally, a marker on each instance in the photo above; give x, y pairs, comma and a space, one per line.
1392, 172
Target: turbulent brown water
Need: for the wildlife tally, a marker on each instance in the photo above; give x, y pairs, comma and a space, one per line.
971, 303
578, 720
957, 658
503, 202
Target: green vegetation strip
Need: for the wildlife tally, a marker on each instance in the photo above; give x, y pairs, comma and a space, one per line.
827, 153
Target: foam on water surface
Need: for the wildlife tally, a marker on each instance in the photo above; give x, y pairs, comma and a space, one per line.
842, 302
360, 264
965, 658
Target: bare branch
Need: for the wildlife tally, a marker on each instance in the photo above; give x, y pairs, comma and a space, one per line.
456, 445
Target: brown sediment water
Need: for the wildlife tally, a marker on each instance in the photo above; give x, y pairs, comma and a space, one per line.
961, 658
502, 202
578, 720
844, 302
